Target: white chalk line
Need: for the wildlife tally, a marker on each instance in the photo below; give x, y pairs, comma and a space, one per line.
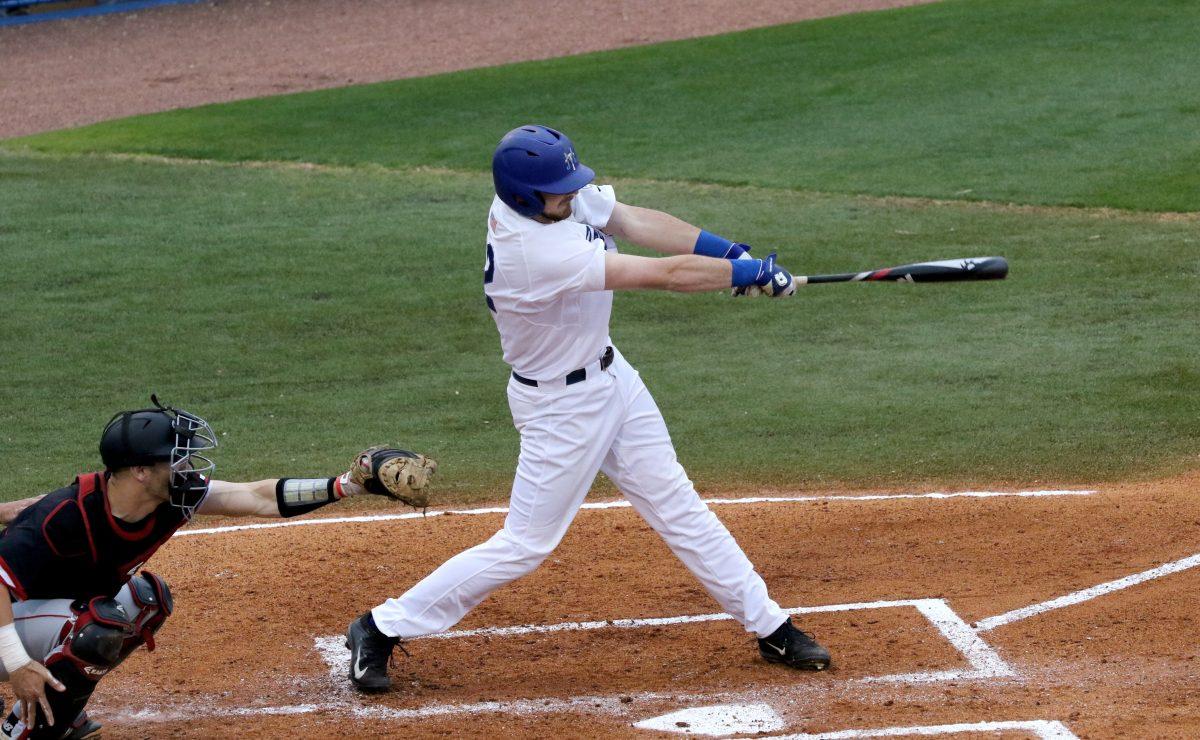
1087, 594
625, 505
607, 705
616, 704
1046, 729
984, 662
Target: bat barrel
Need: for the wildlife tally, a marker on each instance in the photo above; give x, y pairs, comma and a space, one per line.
970, 268
991, 268
940, 271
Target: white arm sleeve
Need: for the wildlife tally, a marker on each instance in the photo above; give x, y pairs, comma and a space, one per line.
594, 205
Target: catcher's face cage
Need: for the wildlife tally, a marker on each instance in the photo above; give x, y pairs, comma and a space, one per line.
190, 469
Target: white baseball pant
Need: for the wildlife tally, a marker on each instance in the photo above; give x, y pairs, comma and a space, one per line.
610, 423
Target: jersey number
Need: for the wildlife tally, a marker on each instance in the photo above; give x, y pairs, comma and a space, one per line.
489, 272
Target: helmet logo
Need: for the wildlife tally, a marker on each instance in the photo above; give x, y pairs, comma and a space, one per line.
571, 160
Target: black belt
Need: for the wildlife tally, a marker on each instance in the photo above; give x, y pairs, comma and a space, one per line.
575, 376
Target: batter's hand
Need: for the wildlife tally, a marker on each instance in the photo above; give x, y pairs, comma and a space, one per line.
773, 280
397, 474
29, 684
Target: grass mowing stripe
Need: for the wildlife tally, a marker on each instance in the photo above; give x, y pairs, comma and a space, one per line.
310, 313
1075, 102
1104, 212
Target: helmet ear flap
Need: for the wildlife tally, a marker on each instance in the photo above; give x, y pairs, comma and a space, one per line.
538, 202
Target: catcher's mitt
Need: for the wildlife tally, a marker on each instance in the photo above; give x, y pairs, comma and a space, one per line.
397, 474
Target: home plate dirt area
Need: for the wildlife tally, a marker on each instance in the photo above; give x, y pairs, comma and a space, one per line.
1034, 613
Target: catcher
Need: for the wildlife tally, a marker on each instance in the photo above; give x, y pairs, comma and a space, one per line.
74, 604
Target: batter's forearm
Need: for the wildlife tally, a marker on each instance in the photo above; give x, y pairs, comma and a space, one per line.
655, 230
693, 274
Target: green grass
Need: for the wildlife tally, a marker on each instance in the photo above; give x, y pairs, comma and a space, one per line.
308, 313
1083, 102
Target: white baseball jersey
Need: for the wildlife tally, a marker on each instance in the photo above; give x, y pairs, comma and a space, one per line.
545, 285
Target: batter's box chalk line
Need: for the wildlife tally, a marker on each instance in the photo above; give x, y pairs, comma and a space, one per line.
1042, 728
604, 505
983, 661
1087, 594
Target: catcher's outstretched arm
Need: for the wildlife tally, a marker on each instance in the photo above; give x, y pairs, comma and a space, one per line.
275, 497
241, 499
383, 471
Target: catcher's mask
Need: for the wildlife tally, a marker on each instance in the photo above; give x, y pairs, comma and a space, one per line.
163, 434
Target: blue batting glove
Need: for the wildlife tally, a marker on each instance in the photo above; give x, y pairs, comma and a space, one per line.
773, 280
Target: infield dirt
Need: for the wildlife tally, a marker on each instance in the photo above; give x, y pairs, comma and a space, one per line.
252, 603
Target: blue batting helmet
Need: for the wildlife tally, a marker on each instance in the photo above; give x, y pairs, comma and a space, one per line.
535, 159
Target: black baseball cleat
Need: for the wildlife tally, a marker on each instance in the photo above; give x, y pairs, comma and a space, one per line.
793, 647
370, 651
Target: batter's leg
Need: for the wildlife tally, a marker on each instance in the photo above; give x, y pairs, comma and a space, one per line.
643, 465
564, 437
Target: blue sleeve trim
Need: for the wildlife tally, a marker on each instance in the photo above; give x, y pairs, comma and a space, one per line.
711, 245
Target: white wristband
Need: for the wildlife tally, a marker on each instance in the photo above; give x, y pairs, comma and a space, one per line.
12, 652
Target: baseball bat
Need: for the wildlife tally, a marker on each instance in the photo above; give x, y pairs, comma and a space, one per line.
940, 271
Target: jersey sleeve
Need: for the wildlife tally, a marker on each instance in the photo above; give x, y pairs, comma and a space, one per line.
594, 205
569, 261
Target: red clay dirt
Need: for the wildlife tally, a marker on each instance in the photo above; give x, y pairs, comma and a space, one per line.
1125, 664
68, 73
239, 656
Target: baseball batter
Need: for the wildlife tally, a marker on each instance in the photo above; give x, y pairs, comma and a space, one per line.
549, 274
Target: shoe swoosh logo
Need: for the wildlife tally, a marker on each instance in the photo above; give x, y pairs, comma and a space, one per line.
780, 650
359, 671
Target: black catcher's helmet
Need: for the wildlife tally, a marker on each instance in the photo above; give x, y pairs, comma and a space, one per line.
163, 434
